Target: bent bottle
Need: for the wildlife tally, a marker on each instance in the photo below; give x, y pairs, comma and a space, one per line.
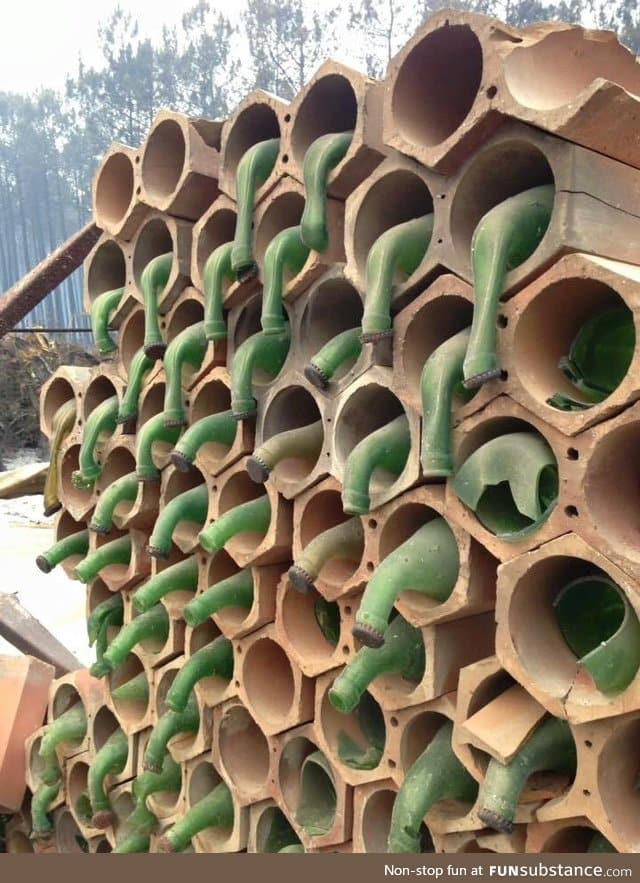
260, 352
302, 443
550, 748
285, 252
215, 429
251, 517
114, 552
345, 541
213, 811
212, 660
140, 366
428, 562
436, 775
123, 490
69, 546
402, 653
169, 725
321, 158
253, 170
152, 432
152, 625
100, 423
187, 348
340, 350
386, 448
153, 282
179, 577
110, 760
102, 309
400, 248
217, 271
62, 424
190, 506
235, 591
505, 237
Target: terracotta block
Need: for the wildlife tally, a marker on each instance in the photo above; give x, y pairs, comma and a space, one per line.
187, 310
329, 724
117, 208
104, 383
604, 788
99, 844
259, 117
529, 642
129, 321
77, 777
215, 227
234, 487
155, 652
236, 622
270, 684
372, 809
393, 524
300, 635
593, 207
158, 235
133, 715
262, 816
503, 725
585, 285
68, 835
319, 509
122, 804
179, 164
563, 835
478, 841
293, 748
68, 382
244, 755
243, 322
608, 522
33, 767
336, 99
399, 190
443, 309
107, 267
167, 806
366, 405
502, 416
24, 686
283, 209
291, 402
16, 833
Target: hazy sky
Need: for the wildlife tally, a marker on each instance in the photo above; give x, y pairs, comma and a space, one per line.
40, 40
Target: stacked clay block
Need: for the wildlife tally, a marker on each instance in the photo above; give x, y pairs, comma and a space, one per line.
354, 488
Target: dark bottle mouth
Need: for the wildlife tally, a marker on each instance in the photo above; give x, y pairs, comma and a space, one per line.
495, 821
367, 635
316, 376
301, 580
257, 469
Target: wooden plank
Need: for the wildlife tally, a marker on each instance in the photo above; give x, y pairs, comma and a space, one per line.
27, 634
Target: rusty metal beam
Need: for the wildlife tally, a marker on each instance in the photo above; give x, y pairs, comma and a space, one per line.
41, 281
27, 634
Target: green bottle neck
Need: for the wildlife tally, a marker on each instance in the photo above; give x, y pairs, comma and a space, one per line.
342, 349
387, 448
140, 366
154, 624
252, 517
102, 309
436, 775
180, 577
153, 282
169, 725
253, 170
505, 237
213, 660
191, 506
235, 591
124, 490
188, 348
428, 562
303, 443
68, 728
402, 653
110, 760
154, 430
441, 378
260, 352
148, 783
321, 158
344, 541
217, 429
400, 248
550, 748
113, 606
218, 271
74, 544
286, 251
101, 422
134, 690
41, 801
114, 552
213, 811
